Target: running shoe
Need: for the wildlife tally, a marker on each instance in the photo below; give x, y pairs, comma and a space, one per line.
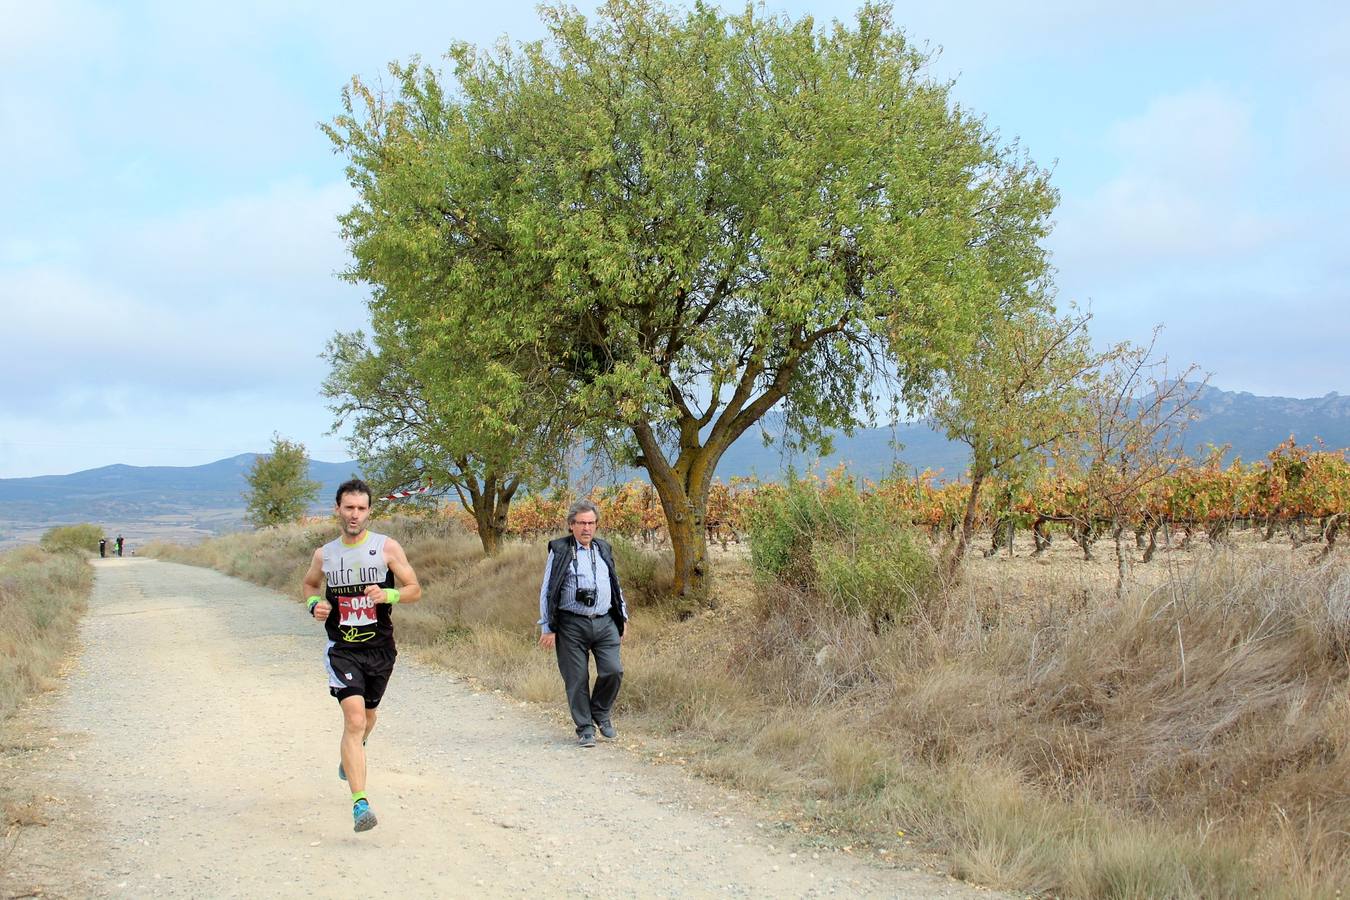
362, 817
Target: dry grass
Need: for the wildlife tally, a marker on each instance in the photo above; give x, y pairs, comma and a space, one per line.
42, 596
1190, 741
1173, 732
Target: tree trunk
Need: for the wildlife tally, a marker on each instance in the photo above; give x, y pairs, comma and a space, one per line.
1082, 533
685, 506
1329, 532
488, 535
1122, 564
689, 543
490, 502
683, 485
1040, 533
683, 491
1152, 543
967, 526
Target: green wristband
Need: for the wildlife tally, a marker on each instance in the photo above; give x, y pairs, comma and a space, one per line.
313, 602
390, 595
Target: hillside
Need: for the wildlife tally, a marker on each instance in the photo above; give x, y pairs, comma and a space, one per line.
176, 501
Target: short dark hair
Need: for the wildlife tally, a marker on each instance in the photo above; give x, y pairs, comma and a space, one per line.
352, 486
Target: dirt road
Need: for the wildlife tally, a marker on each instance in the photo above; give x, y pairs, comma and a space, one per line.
192, 752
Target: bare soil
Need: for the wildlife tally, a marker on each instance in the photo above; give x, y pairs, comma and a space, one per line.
192, 751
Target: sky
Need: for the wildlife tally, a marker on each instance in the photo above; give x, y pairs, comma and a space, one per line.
169, 249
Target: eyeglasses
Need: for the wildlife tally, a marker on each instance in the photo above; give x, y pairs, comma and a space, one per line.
583, 524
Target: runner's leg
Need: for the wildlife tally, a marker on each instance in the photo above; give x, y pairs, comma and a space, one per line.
370, 725
354, 714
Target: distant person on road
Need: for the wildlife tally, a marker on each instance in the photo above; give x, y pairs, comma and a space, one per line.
103, 548
352, 585
582, 613
119, 545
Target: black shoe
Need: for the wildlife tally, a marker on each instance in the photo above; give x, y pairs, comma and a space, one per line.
586, 738
607, 730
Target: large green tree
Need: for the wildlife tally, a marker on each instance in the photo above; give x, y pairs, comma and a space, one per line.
279, 487
687, 220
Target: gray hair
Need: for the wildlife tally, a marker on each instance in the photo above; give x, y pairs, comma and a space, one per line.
581, 506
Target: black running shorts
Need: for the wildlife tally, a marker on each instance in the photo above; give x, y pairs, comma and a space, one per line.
358, 673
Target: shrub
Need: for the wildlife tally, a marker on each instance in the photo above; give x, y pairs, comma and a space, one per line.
848, 547
82, 538
647, 578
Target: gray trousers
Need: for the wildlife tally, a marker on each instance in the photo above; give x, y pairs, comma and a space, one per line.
577, 639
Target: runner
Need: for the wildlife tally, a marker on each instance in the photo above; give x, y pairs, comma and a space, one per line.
357, 573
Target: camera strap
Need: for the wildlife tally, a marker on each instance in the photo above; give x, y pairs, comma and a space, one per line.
595, 578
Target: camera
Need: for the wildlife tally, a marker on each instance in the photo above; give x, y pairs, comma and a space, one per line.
586, 596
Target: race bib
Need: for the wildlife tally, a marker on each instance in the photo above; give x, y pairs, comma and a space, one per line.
356, 610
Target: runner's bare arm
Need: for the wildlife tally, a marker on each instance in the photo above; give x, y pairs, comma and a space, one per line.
409, 591
313, 586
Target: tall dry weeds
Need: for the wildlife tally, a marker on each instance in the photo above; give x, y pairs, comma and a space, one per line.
42, 596
1194, 735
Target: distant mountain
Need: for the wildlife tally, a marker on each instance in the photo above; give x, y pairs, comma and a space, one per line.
1248, 425
120, 493
1252, 426
201, 499
869, 453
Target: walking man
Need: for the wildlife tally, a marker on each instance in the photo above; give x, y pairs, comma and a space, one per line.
582, 613
352, 585
103, 548
119, 545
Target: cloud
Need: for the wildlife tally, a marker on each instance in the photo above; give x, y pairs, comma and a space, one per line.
283, 240
1135, 224
47, 51
239, 295
1195, 140
1241, 334
1319, 130
1179, 193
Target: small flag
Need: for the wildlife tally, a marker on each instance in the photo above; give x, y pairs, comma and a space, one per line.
399, 495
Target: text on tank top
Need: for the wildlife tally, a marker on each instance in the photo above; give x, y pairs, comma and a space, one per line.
348, 570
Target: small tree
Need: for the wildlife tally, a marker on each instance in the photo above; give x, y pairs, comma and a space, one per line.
279, 486
1137, 416
1020, 390
451, 428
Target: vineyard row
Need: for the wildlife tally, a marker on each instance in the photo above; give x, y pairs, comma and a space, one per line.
1304, 490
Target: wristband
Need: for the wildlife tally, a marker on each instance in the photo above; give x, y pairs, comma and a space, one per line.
390, 595
313, 602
